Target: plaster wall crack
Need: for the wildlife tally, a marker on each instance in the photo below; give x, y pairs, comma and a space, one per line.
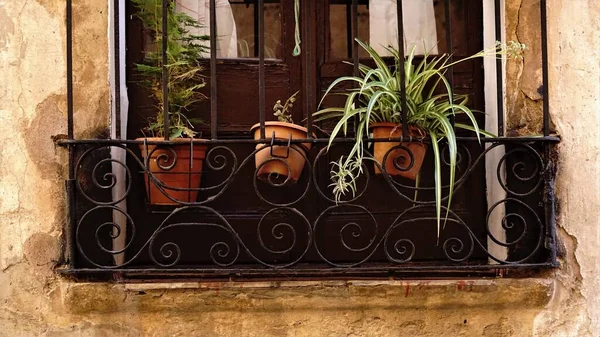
518, 21
18, 63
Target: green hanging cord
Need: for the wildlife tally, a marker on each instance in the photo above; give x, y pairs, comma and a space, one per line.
297, 33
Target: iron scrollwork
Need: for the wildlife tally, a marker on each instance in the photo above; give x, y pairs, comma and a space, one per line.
285, 237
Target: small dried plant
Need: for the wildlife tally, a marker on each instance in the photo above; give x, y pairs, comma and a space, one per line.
284, 112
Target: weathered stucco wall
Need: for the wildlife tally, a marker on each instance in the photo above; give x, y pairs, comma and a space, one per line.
34, 301
574, 48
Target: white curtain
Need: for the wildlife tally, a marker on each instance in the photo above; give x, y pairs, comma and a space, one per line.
419, 26
226, 30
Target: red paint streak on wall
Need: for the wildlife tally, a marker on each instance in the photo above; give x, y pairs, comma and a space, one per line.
461, 284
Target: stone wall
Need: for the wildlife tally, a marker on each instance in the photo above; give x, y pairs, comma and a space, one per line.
34, 301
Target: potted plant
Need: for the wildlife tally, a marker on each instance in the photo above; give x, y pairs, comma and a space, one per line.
175, 170
374, 106
281, 160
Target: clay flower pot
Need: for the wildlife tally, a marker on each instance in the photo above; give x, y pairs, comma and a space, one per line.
401, 156
175, 166
280, 153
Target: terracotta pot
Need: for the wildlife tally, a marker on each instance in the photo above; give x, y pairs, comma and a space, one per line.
281, 153
401, 156
185, 173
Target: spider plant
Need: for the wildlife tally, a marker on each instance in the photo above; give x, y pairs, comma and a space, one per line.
376, 97
184, 71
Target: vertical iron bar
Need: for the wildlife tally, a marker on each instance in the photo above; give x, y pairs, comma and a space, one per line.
308, 69
261, 66
400, 14
69, 24
355, 59
71, 223
450, 53
146, 155
165, 71
545, 81
213, 70
70, 183
256, 29
549, 202
117, 56
499, 73
349, 40
189, 172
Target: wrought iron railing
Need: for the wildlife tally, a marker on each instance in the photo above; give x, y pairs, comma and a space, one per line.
284, 234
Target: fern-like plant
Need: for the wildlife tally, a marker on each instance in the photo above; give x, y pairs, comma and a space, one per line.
184, 70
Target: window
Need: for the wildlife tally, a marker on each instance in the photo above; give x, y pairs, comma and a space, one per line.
244, 224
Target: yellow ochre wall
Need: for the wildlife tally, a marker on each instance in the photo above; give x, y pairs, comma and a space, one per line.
35, 301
